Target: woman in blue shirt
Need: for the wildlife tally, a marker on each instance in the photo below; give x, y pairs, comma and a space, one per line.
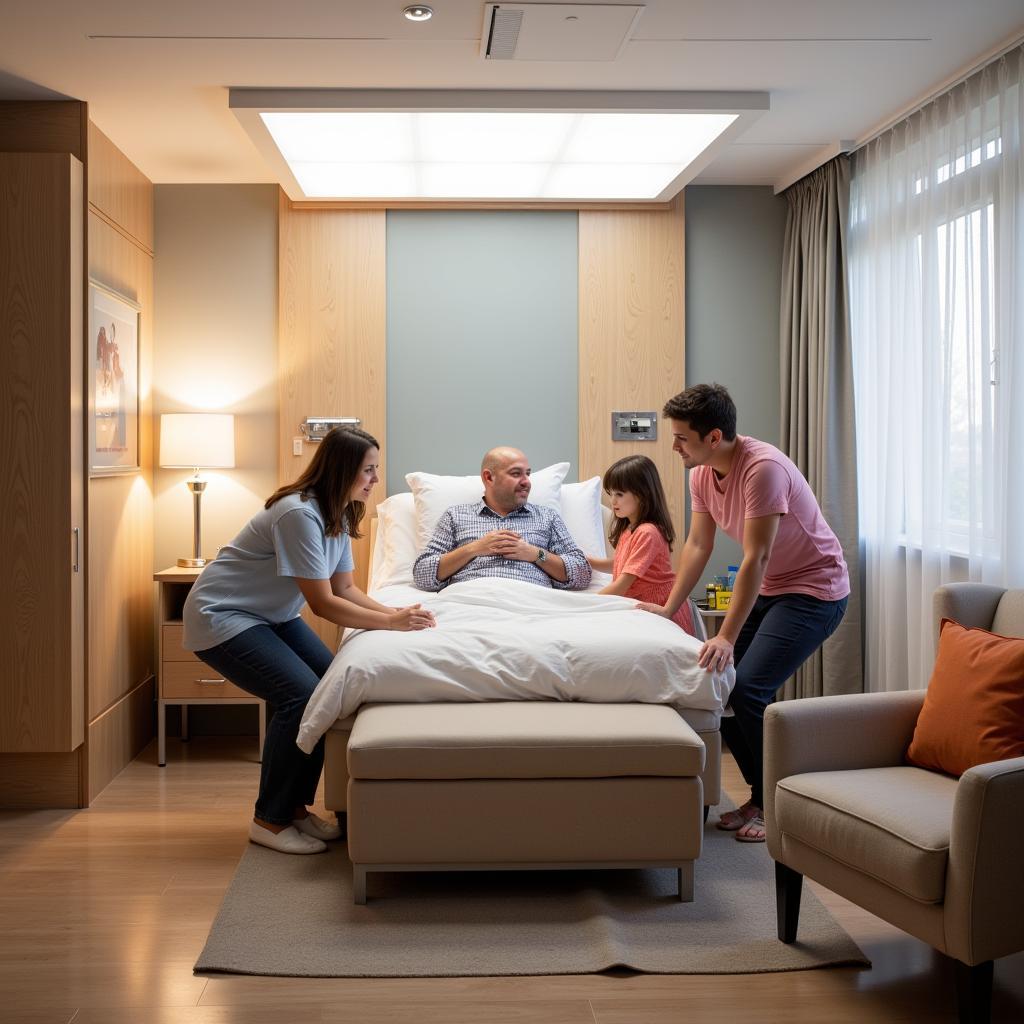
242, 618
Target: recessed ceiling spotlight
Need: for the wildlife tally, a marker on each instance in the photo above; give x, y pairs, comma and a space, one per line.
418, 12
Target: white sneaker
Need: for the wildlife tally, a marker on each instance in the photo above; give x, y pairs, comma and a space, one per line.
289, 840
315, 826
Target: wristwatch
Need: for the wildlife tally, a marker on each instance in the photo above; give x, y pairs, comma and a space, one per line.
542, 556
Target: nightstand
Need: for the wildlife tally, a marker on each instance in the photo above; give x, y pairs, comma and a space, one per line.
183, 678
712, 620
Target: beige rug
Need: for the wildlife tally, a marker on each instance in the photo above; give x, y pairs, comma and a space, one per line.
294, 916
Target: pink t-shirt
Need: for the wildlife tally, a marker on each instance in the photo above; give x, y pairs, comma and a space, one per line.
807, 557
644, 553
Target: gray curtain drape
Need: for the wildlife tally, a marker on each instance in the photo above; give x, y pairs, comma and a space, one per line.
818, 424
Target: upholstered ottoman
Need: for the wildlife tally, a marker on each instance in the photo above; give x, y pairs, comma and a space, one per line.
336, 765
489, 786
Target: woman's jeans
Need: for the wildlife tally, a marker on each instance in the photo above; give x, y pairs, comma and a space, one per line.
282, 664
780, 634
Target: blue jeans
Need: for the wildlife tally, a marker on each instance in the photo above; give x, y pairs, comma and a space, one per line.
282, 664
780, 634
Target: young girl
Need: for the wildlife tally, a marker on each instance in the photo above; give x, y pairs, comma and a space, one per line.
642, 537
242, 618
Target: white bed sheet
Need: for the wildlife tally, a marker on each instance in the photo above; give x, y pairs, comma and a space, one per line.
500, 639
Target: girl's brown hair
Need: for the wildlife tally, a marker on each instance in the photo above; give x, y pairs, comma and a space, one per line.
330, 478
638, 475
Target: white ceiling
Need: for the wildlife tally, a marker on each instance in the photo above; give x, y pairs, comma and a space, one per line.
157, 80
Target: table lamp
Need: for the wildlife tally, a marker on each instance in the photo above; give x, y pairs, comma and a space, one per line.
197, 440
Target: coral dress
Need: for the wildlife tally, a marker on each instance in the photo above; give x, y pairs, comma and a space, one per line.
644, 553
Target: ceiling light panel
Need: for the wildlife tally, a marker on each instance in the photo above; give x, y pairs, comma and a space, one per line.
483, 180
343, 137
492, 137
643, 138
631, 182
490, 154
326, 179
394, 145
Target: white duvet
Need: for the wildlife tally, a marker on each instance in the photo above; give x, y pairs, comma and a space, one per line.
500, 639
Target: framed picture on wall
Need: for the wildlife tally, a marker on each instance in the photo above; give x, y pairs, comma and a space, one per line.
112, 382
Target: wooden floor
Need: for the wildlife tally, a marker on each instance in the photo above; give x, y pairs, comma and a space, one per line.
104, 911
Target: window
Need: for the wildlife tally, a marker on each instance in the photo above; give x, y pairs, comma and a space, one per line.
936, 272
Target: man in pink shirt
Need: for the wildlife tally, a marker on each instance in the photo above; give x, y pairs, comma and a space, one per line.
792, 587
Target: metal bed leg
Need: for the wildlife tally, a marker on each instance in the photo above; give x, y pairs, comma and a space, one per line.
161, 733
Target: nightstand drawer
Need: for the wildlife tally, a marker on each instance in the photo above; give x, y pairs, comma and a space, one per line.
182, 679
173, 651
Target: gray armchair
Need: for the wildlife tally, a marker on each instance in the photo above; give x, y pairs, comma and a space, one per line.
926, 852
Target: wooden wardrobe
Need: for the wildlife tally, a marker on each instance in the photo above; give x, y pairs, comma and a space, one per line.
76, 598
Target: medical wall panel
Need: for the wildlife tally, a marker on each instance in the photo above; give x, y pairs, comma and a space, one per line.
481, 338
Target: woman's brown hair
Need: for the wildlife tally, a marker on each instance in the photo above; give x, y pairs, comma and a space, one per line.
637, 474
330, 477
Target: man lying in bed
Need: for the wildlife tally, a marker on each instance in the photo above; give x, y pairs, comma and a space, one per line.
502, 535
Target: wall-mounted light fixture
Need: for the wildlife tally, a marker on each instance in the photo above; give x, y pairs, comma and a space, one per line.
316, 428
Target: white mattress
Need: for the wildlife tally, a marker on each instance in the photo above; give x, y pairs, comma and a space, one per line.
499, 639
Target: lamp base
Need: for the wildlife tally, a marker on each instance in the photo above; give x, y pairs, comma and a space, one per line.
191, 563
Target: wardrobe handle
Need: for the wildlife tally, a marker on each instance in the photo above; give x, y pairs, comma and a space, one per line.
74, 563
212, 682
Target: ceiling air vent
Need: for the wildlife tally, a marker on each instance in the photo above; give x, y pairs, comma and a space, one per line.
503, 32
557, 32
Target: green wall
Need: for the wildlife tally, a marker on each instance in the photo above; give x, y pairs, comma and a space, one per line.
481, 339
734, 239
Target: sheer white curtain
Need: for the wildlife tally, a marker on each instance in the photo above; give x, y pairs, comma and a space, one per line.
937, 316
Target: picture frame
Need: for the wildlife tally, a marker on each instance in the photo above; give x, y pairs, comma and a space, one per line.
112, 381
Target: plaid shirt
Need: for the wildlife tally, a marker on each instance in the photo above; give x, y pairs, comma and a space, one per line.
536, 524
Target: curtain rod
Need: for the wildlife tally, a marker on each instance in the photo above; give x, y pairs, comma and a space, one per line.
954, 80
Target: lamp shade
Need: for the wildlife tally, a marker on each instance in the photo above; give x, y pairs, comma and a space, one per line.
197, 440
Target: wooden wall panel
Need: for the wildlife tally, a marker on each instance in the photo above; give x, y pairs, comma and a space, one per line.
120, 264
118, 190
32, 781
119, 734
121, 631
632, 336
76, 460
121, 647
50, 127
39, 222
332, 323
121, 616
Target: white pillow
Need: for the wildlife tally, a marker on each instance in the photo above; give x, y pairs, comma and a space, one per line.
581, 510
434, 494
394, 550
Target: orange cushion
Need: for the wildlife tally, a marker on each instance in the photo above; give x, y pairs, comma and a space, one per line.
973, 712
